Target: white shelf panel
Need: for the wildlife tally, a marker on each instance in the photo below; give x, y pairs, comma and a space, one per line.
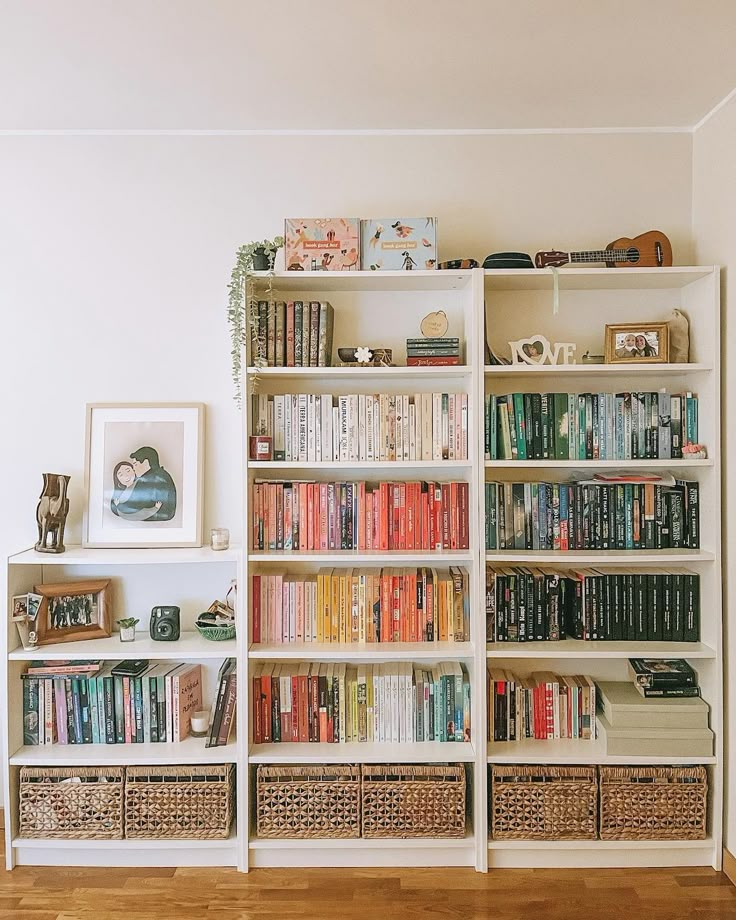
577, 278
598, 464
632, 557
596, 370
423, 752
40, 843
366, 281
378, 373
189, 751
361, 843
376, 651
578, 648
553, 845
389, 465
80, 555
189, 645
371, 557
574, 751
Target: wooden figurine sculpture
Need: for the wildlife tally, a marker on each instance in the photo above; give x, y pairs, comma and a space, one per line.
53, 507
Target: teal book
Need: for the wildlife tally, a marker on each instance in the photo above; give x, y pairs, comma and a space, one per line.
520, 424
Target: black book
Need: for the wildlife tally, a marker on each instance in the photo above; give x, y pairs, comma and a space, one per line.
662, 673
131, 667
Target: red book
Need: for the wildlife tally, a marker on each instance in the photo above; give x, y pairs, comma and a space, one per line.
454, 516
310, 515
255, 594
323, 516
425, 544
383, 515
303, 697
433, 361
314, 708
410, 523
464, 496
403, 511
257, 712
444, 515
267, 702
413, 610
294, 707
303, 516
436, 500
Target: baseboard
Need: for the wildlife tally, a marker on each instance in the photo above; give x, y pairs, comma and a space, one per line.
729, 865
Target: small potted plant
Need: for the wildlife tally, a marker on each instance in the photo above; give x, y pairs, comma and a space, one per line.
127, 628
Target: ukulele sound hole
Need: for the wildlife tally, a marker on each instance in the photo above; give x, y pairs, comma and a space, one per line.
632, 255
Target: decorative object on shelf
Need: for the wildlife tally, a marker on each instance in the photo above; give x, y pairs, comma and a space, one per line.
143, 475
454, 265
165, 625
679, 337
73, 611
51, 512
506, 260
637, 343
24, 613
219, 538
217, 623
398, 244
248, 258
379, 357
694, 452
127, 628
260, 447
648, 250
326, 244
536, 349
593, 359
199, 723
434, 325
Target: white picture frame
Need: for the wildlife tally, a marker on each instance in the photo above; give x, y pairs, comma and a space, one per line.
143, 475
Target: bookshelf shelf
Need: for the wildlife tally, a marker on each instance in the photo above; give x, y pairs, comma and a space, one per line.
578, 278
603, 558
390, 466
591, 465
379, 651
308, 283
361, 374
596, 370
423, 752
189, 645
189, 751
374, 557
580, 649
81, 555
361, 843
574, 751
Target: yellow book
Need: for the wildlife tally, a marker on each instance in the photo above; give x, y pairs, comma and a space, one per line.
335, 607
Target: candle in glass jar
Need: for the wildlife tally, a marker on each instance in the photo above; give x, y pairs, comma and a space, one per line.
200, 722
219, 538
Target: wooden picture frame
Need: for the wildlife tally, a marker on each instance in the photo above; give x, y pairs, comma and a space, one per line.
49, 634
624, 343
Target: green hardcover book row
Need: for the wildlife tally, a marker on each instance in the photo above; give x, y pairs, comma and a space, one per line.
290, 334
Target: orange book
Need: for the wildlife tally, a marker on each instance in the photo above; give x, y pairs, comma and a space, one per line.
187, 691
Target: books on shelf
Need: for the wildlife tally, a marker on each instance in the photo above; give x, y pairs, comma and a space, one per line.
590, 426
292, 333
543, 706
362, 606
341, 703
433, 352
616, 513
533, 605
307, 515
664, 677
66, 706
313, 427
222, 712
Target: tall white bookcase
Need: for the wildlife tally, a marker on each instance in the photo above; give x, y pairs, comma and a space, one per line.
382, 309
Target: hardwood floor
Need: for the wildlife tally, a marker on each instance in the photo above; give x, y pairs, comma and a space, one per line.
364, 894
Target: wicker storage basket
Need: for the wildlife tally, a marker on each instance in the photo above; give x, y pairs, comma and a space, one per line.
179, 802
308, 801
543, 803
88, 810
413, 801
653, 803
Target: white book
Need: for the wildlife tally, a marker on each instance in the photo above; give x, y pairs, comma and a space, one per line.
292, 612
418, 426
451, 422
376, 427
399, 437
412, 431
318, 427
295, 427
303, 424
328, 452
436, 426
279, 436
343, 403
464, 426
382, 717
311, 427
341, 668
376, 728
278, 609
395, 717
411, 701
427, 426
288, 454
405, 434
369, 422
336, 431
362, 412
313, 608
382, 427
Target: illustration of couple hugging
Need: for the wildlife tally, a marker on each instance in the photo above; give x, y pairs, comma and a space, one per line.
143, 490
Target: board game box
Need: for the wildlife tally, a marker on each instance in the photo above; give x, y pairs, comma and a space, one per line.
398, 243
330, 244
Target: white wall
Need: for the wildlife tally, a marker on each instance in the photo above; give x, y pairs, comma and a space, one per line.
714, 230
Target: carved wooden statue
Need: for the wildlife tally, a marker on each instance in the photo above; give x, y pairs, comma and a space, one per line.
53, 507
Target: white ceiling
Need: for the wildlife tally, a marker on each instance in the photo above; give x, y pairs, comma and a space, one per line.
350, 64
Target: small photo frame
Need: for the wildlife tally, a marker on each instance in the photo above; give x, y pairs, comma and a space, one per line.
24, 613
637, 343
73, 611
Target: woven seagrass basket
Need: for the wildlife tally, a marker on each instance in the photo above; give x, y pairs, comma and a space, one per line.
78, 803
317, 800
543, 803
180, 802
653, 803
413, 800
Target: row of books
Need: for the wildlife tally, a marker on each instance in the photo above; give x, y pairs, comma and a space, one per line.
91, 702
598, 514
379, 427
338, 703
362, 605
443, 351
531, 605
291, 334
590, 426
306, 515
543, 706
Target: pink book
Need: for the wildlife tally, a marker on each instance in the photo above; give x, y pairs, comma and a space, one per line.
323, 516
60, 700
129, 721
255, 594
278, 608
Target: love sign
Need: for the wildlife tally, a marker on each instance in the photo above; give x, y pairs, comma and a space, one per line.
538, 350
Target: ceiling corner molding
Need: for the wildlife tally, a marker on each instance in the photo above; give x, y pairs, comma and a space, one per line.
716, 108
339, 132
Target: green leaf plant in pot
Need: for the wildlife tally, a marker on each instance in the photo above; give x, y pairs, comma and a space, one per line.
241, 317
127, 628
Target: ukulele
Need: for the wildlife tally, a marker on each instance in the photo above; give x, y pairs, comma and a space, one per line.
648, 250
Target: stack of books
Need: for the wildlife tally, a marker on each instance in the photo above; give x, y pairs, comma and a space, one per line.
339, 703
543, 706
362, 605
664, 677
631, 725
293, 334
433, 352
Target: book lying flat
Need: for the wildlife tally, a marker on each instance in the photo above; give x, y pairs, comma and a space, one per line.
655, 742
625, 708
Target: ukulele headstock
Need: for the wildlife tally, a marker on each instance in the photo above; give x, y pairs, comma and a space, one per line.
552, 258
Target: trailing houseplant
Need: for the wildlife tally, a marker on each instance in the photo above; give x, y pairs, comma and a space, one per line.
256, 256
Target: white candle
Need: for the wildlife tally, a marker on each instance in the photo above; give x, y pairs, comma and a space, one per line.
200, 721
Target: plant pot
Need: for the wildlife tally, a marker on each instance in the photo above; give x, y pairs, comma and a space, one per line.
261, 261
127, 633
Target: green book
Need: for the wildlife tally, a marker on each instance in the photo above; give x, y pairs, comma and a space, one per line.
511, 414
326, 323
561, 422
520, 424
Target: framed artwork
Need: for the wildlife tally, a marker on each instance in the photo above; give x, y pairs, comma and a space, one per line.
73, 611
143, 475
637, 343
24, 613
